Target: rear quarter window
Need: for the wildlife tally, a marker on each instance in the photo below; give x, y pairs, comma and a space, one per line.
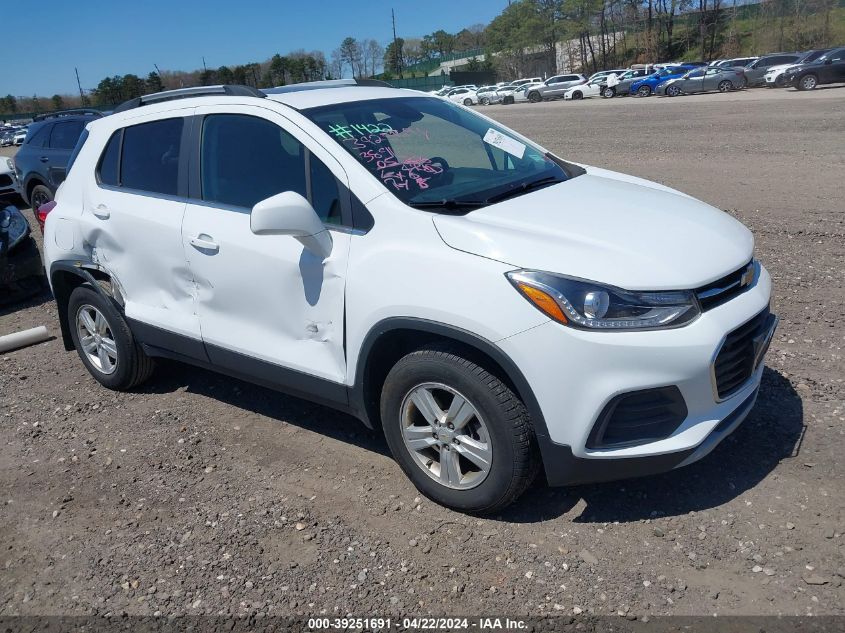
39, 137
65, 134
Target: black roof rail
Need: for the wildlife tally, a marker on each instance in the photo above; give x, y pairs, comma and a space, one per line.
185, 93
59, 113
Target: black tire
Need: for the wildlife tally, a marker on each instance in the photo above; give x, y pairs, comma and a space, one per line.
780, 81
515, 458
608, 93
132, 366
673, 91
467, 101
508, 100
577, 95
644, 91
807, 82
535, 97
725, 86
39, 195
485, 101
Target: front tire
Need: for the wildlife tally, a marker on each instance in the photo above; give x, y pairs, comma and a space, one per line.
808, 82
457, 431
577, 95
467, 101
725, 86
644, 91
485, 101
673, 91
608, 93
104, 341
535, 97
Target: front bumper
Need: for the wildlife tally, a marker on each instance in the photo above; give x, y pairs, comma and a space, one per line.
575, 373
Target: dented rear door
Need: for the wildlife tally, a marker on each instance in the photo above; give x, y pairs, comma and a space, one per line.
263, 297
132, 220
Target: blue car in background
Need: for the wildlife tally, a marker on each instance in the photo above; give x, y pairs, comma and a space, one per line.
645, 86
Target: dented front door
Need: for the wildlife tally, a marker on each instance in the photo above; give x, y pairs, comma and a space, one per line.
260, 297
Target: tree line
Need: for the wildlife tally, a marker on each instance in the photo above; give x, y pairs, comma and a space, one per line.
528, 36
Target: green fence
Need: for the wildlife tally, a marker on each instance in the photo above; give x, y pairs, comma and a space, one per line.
421, 83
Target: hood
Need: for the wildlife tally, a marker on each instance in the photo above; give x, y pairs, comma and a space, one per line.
608, 228
781, 67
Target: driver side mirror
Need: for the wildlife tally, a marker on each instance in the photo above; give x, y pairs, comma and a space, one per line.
828, 61
288, 213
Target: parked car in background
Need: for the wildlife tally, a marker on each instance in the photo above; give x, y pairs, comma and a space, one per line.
645, 87
41, 163
521, 82
827, 69
755, 72
21, 268
583, 91
9, 185
604, 74
520, 95
503, 95
465, 96
485, 94
20, 136
623, 87
554, 87
703, 79
7, 137
737, 61
775, 77
487, 335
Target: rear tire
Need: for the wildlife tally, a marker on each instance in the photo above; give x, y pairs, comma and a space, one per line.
104, 341
808, 82
467, 101
725, 86
534, 97
608, 93
496, 430
485, 101
39, 195
577, 95
644, 91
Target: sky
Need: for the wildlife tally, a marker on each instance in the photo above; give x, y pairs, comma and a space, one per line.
115, 37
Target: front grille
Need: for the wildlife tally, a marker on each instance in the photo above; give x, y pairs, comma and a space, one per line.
5, 180
718, 292
735, 362
638, 417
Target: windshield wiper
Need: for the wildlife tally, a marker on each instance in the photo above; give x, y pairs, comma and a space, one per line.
448, 203
524, 187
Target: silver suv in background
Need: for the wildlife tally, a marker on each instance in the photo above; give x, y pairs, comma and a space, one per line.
554, 87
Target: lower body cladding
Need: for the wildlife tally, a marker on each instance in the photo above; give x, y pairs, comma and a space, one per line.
627, 404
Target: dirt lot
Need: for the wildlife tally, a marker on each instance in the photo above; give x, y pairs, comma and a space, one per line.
201, 494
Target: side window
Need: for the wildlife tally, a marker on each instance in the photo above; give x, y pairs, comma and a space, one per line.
150, 157
39, 139
65, 134
245, 159
107, 170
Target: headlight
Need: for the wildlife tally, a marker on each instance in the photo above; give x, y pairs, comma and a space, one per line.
10, 164
13, 228
591, 306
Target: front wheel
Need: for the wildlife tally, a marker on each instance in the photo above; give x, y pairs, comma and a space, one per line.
458, 432
644, 91
808, 82
725, 86
467, 101
673, 91
577, 95
535, 97
104, 341
608, 93
485, 101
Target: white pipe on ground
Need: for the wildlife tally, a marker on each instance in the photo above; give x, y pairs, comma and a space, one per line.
23, 338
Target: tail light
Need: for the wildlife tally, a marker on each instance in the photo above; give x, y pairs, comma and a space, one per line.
43, 211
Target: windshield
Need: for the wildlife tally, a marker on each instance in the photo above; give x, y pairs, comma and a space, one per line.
428, 151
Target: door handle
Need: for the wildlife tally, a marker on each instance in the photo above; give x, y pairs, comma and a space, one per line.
205, 242
44, 159
102, 212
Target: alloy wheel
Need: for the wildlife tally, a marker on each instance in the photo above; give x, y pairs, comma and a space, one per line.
724, 86
808, 82
644, 91
446, 436
96, 339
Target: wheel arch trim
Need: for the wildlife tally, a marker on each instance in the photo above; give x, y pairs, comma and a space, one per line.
488, 348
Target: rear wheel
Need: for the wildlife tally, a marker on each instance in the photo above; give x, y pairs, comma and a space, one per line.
644, 91
534, 97
577, 95
458, 432
104, 341
485, 101
467, 101
39, 195
608, 93
725, 86
808, 82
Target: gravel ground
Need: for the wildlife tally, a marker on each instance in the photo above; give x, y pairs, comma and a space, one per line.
201, 494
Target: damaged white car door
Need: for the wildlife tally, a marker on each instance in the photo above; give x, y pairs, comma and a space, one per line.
264, 296
131, 223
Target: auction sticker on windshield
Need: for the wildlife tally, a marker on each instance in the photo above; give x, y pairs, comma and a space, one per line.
504, 143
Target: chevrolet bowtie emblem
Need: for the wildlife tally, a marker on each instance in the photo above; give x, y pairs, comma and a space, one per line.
747, 276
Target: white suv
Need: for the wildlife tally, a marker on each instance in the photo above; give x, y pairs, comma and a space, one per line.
496, 310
